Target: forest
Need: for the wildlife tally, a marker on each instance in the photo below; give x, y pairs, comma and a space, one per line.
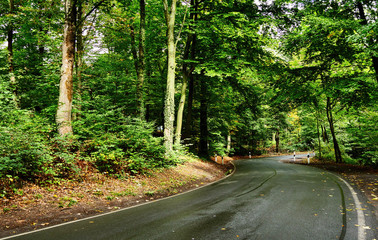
123, 86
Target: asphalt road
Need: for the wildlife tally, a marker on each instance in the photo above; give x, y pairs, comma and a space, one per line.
263, 199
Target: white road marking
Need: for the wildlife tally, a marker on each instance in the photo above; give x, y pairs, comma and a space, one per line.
360, 213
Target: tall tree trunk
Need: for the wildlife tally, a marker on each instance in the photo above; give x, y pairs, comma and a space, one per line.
203, 147
63, 115
365, 22
277, 138
186, 74
180, 110
12, 77
141, 60
79, 57
189, 112
319, 142
335, 143
169, 108
317, 116
324, 134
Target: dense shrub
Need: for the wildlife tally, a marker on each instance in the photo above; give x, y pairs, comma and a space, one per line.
133, 149
24, 150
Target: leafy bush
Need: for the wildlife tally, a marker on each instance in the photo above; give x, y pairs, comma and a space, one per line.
133, 149
23, 145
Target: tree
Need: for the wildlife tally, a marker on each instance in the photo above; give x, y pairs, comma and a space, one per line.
63, 115
169, 108
71, 25
187, 70
330, 67
139, 59
12, 76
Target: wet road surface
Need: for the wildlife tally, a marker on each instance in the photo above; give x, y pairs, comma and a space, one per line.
263, 199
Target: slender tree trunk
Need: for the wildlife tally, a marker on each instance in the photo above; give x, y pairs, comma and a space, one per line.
169, 108
365, 22
141, 60
189, 111
203, 148
79, 57
180, 111
12, 77
189, 116
277, 138
319, 142
335, 143
63, 115
324, 134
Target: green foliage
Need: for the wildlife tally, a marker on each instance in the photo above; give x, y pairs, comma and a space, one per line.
362, 137
131, 148
23, 149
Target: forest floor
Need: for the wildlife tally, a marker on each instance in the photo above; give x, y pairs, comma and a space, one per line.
36, 207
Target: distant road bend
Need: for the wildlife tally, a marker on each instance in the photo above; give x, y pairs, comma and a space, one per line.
263, 199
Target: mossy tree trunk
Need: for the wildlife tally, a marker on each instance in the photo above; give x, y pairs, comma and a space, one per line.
169, 108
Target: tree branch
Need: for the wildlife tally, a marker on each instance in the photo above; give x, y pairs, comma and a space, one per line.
166, 12
89, 13
182, 26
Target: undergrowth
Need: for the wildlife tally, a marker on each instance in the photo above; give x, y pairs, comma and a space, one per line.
30, 151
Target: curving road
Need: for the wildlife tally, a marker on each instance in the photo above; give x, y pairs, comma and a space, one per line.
263, 199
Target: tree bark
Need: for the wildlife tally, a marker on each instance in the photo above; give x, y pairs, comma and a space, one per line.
189, 111
324, 134
169, 108
180, 110
332, 128
186, 74
12, 77
63, 115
